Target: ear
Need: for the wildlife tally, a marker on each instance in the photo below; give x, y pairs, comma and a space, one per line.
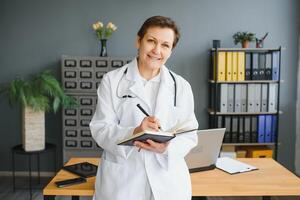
137, 42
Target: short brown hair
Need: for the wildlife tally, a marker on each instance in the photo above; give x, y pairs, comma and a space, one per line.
163, 22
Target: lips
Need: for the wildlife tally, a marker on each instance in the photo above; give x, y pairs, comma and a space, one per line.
153, 57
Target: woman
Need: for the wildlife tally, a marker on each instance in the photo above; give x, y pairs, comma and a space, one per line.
158, 171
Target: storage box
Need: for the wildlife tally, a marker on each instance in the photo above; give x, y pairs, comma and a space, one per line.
259, 152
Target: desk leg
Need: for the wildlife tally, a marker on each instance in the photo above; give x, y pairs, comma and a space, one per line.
30, 189
266, 198
49, 197
199, 198
75, 197
13, 168
38, 166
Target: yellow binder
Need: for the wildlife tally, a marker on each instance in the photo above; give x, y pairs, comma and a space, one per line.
221, 66
234, 67
240, 66
228, 70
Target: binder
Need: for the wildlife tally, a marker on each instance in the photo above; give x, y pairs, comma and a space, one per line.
257, 98
268, 72
255, 70
243, 98
223, 97
241, 129
261, 66
274, 128
234, 130
272, 104
227, 136
221, 66
275, 65
261, 128
254, 129
264, 97
248, 72
240, 66
237, 98
234, 67
228, 66
251, 97
230, 98
247, 129
268, 128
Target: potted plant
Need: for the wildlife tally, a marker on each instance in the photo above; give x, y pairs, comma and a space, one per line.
37, 95
244, 38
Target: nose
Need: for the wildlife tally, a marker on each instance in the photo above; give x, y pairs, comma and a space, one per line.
156, 49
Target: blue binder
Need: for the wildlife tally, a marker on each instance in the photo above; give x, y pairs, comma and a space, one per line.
274, 128
275, 65
261, 128
268, 128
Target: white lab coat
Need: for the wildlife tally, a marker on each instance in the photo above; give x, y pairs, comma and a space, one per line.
121, 175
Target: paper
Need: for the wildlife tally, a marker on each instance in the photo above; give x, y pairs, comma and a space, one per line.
233, 166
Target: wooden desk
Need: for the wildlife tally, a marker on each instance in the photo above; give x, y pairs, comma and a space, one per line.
271, 179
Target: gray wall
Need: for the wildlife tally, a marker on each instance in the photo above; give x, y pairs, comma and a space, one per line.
34, 34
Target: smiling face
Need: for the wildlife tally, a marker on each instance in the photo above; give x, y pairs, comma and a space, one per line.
154, 48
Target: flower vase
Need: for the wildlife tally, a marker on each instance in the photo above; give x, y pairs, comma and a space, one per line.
103, 52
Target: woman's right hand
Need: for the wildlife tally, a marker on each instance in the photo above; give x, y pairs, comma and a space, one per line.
148, 123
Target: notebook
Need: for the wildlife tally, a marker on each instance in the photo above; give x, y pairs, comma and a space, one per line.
205, 154
84, 169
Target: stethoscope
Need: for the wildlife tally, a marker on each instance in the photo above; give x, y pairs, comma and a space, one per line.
131, 96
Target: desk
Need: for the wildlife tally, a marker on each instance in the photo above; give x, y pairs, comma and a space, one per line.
271, 179
18, 149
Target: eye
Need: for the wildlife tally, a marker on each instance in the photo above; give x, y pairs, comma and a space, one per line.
166, 46
150, 41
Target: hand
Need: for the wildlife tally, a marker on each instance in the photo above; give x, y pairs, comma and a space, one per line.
148, 123
152, 146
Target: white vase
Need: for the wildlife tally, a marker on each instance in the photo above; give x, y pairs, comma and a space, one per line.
33, 129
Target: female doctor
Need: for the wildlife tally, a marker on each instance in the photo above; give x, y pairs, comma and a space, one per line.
158, 171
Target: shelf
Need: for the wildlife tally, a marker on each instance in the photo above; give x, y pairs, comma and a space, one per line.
247, 81
248, 144
247, 49
212, 112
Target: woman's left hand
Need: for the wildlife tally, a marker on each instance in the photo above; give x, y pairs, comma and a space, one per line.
150, 145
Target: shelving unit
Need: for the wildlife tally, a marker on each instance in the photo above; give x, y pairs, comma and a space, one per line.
245, 87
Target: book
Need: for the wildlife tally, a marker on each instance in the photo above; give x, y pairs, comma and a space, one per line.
233, 166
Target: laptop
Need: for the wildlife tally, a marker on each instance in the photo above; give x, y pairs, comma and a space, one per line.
204, 156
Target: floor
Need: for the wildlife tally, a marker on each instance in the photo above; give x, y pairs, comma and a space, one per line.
6, 191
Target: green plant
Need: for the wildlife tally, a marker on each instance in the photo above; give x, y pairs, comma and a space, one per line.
104, 32
42, 92
241, 37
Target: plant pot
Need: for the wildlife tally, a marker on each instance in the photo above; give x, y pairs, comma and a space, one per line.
33, 129
245, 44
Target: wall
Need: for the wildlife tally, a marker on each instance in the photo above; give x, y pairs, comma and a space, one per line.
34, 35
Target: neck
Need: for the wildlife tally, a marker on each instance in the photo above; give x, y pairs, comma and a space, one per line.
147, 73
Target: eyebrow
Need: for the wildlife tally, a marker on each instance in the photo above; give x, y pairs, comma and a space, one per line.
164, 42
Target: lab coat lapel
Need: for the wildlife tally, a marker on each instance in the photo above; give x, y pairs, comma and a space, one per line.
165, 98
133, 76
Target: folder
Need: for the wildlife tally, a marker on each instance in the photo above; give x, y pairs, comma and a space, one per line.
254, 129
228, 66
227, 136
240, 66
272, 97
243, 98
261, 66
248, 72
234, 129
268, 72
274, 128
264, 97
221, 66
261, 128
230, 98
223, 97
257, 98
251, 97
241, 129
268, 128
255, 70
275, 65
237, 98
234, 67
247, 129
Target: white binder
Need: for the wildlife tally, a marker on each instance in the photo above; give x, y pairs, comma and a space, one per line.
243, 98
264, 97
257, 99
223, 97
273, 97
237, 98
230, 98
251, 97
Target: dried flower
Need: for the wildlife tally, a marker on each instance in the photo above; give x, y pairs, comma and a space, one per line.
104, 32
